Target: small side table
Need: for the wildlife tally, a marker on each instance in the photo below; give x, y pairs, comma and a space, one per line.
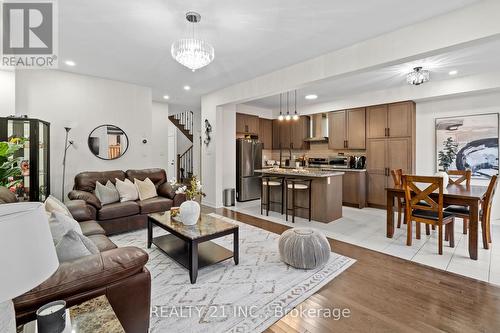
95, 315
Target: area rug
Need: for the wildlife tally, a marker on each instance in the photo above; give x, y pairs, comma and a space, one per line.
248, 297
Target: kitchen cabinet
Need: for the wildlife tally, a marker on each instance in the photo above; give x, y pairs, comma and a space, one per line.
290, 134
354, 188
390, 145
247, 123
390, 120
347, 129
266, 133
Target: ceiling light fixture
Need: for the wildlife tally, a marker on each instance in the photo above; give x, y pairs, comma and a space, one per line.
417, 76
288, 117
453, 72
191, 52
187, 88
295, 115
280, 117
311, 97
70, 63
166, 97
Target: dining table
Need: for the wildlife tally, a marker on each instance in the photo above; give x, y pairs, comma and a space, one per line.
453, 194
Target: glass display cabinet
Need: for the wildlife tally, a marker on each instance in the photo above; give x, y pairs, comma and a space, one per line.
34, 158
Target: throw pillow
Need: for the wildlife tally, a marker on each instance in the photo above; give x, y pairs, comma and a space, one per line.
146, 188
106, 193
52, 204
127, 190
73, 246
60, 224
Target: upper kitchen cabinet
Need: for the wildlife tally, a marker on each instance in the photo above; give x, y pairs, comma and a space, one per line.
247, 123
390, 120
266, 133
300, 131
347, 129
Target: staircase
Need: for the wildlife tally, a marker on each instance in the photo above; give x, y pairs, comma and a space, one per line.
184, 123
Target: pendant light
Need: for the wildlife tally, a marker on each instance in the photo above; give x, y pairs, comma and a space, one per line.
295, 115
280, 118
288, 117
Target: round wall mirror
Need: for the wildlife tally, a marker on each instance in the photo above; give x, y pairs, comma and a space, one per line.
108, 142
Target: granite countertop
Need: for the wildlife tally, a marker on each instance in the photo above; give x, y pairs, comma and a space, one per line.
315, 173
344, 169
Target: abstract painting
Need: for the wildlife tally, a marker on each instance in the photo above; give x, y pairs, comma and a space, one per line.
468, 142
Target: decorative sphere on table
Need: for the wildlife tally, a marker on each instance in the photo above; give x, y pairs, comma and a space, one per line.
304, 248
189, 212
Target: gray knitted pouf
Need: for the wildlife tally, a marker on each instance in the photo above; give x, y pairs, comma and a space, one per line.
304, 248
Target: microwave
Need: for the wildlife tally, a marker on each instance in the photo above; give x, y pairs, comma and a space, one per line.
341, 162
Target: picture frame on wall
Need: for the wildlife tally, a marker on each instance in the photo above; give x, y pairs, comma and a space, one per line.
468, 142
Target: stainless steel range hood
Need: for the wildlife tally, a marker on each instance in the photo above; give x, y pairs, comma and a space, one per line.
318, 128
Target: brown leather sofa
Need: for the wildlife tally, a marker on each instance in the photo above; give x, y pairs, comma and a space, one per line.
123, 216
117, 273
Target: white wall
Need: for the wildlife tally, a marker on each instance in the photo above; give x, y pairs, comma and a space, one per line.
64, 98
426, 114
159, 135
255, 111
7, 93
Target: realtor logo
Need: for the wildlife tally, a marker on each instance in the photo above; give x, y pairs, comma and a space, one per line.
29, 34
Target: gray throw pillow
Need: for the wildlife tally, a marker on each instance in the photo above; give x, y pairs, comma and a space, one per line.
60, 224
107, 193
73, 246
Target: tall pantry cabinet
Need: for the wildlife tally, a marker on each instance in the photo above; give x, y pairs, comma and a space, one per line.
390, 131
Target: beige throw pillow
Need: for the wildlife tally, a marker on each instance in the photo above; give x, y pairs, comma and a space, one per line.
145, 188
106, 193
74, 246
52, 204
60, 224
127, 190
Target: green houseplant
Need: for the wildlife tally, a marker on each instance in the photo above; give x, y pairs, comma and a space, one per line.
9, 167
448, 154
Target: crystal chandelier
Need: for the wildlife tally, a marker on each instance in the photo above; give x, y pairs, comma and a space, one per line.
191, 52
418, 76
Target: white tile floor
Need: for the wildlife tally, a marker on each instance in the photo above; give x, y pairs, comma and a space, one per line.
367, 228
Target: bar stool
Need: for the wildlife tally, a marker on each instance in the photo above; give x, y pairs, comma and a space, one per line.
301, 184
268, 182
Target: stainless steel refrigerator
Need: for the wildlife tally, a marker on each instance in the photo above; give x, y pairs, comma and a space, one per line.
248, 159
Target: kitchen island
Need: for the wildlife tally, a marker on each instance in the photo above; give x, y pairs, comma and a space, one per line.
326, 191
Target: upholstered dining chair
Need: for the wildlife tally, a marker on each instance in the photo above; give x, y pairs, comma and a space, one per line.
422, 208
484, 214
458, 177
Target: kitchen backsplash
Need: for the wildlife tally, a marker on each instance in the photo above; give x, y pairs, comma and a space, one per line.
316, 150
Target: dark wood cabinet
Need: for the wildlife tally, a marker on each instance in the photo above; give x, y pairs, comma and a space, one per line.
390, 145
354, 188
347, 129
266, 133
291, 134
277, 133
247, 123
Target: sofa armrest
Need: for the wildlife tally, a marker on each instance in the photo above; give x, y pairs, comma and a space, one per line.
88, 197
178, 199
166, 190
80, 210
85, 274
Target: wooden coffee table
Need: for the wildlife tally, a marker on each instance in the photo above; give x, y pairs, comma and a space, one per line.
190, 246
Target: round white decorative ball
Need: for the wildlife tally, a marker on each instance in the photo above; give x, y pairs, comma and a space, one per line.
189, 212
304, 248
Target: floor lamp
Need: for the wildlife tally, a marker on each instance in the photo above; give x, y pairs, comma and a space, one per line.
67, 144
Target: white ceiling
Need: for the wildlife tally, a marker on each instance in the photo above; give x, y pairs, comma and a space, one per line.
472, 60
129, 40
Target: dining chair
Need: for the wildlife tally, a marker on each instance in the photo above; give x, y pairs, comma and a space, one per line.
422, 208
396, 177
484, 214
458, 177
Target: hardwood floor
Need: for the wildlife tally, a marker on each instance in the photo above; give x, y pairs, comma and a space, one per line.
389, 294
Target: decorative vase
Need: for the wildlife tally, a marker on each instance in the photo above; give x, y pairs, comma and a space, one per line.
445, 177
189, 212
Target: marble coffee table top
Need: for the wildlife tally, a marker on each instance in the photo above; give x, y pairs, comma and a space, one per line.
207, 225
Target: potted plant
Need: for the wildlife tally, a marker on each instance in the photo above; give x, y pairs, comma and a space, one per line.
189, 211
9, 166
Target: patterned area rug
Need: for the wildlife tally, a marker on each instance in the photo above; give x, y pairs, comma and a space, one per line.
248, 297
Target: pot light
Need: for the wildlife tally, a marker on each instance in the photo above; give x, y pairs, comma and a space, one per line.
311, 97
453, 72
70, 63
187, 88
166, 97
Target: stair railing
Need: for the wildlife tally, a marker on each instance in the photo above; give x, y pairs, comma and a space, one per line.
185, 165
186, 120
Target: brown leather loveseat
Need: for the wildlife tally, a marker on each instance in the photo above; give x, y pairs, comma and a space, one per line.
123, 216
